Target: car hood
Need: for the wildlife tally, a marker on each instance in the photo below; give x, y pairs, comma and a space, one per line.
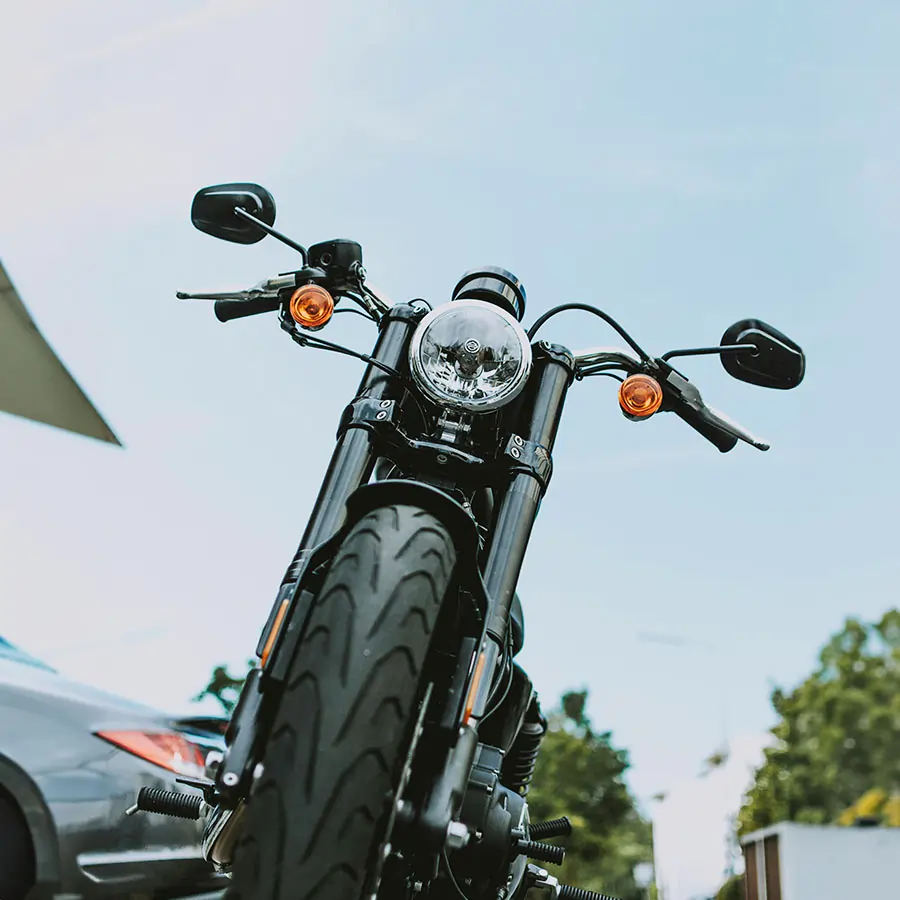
43, 684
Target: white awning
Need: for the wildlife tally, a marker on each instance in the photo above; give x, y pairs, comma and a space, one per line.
33, 381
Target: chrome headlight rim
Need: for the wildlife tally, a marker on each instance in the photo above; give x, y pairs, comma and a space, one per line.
502, 397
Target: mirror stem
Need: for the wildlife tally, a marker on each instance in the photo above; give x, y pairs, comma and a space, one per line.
708, 351
275, 234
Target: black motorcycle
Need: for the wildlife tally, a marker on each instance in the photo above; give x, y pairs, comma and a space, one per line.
384, 744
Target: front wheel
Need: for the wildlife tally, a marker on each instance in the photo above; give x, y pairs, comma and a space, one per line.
317, 817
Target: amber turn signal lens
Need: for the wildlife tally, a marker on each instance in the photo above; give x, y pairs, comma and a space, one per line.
640, 395
311, 306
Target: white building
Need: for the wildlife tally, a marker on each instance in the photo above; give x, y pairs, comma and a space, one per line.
790, 861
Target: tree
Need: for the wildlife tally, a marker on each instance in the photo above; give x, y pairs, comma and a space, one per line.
838, 738
579, 775
224, 687
733, 889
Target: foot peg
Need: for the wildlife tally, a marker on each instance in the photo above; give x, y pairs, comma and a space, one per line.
548, 853
169, 803
567, 892
543, 886
540, 831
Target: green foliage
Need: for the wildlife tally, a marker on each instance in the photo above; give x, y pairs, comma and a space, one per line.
579, 775
838, 738
733, 889
224, 687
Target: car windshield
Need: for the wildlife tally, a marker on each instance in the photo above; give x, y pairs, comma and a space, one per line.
11, 652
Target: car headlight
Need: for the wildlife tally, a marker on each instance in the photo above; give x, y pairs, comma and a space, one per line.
470, 355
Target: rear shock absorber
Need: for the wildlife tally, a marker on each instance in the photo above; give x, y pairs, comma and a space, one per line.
518, 767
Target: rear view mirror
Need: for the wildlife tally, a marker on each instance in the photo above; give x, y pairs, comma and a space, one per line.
775, 362
212, 211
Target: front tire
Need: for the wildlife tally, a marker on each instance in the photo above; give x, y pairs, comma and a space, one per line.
318, 815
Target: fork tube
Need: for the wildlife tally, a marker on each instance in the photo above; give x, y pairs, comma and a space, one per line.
354, 455
538, 425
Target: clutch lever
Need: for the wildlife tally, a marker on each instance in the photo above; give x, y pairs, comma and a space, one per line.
265, 290
252, 294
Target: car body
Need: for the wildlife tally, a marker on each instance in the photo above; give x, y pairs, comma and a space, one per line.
72, 787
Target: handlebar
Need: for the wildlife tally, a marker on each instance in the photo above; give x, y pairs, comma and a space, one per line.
234, 308
681, 396
685, 401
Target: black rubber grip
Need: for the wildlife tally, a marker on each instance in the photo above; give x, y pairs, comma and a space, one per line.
539, 831
169, 803
707, 423
226, 310
548, 853
567, 892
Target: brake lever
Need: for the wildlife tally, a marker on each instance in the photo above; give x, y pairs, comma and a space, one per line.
739, 431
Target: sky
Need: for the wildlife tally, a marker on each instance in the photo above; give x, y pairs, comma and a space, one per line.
682, 165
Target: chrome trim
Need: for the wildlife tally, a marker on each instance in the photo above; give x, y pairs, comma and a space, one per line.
514, 386
96, 866
164, 854
596, 355
219, 836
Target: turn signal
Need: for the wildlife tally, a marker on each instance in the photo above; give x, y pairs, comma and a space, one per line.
311, 306
640, 396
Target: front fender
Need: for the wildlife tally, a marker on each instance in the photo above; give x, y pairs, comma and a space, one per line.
462, 527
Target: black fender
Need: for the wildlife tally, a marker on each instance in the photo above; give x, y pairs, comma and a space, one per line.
460, 524
19, 786
462, 527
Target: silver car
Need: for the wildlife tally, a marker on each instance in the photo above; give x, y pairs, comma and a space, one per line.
72, 759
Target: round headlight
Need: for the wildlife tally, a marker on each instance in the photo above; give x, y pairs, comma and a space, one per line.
470, 355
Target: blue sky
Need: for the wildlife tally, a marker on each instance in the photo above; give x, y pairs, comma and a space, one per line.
683, 165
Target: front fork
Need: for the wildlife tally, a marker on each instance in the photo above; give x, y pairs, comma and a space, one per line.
350, 467
528, 452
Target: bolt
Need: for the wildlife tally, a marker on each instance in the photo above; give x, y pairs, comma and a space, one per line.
385, 404
457, 835
230, 779
517, 440
516, 452
441, 458
381, 415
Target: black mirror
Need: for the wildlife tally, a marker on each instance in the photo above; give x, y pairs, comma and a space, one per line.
775, 362
212, 211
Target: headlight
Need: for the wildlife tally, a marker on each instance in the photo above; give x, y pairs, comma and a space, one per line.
470, 355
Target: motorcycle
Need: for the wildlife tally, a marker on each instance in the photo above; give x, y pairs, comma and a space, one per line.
384, 743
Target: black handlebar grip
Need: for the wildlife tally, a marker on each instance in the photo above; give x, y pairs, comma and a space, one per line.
226, 310
707, 423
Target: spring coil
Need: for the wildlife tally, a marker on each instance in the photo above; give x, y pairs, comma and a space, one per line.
518, 768
169, 803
